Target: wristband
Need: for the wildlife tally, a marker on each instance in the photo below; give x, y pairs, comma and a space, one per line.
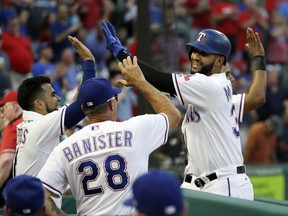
258, 63
123, 54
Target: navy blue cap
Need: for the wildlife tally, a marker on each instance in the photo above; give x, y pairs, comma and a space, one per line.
24, 194
157, 193
96, 91
212, 41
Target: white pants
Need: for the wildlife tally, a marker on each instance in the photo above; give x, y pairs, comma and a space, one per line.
236, 185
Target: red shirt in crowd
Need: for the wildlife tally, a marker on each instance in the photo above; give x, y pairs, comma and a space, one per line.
90, 12
229, 25
201, 20
9, 137
19, 51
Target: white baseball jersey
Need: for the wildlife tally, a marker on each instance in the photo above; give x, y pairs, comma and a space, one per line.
101, 161
238, 100
210, 125
37, 136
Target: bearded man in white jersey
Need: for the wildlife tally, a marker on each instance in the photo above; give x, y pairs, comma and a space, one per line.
210, 126
43, 119
101, 161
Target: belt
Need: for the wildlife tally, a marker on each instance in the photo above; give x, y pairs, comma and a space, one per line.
199, 182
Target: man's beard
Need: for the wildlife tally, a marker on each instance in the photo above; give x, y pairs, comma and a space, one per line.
49, 110
206, 69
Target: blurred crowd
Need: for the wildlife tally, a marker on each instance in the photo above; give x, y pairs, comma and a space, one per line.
33, 42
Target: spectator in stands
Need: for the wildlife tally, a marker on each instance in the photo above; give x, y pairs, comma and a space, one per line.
3, 54
164, 196
272, 5
24, 195
61, 28
19, 50
91, 12
23, 16
171, 43
5, 83
69, 69
252, 15
44, 34
95, 42
200, 12
275, 95
12, 113
282, 153
261, 143
282, 8
277, 49
44, 67
35, 18
8, 10
224, 16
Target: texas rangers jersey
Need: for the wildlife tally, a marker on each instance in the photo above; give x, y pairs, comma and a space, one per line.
101, 161
210, 125
37, 136
238, 101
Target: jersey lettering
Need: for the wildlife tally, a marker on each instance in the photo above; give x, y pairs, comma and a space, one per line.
228, 93
117, 176
90, 170
115, 167
192, 116
235, 129
21, 135
115, 139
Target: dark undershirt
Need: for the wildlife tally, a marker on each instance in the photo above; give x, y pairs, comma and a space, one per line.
160, 80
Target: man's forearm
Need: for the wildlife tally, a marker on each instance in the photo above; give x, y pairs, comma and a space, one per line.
159, 102
6, 161
160, 80
256, 93
51, 208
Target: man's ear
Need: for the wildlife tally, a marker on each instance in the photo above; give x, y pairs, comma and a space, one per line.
111, 106
220, 61
38, 104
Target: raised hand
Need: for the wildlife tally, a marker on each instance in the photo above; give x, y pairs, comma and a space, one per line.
112, 41
81, 49
113, 33
254, 45
131, 71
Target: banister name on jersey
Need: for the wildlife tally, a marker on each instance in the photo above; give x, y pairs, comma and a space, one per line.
101, 161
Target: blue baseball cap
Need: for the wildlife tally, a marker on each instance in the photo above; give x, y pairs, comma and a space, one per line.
24, 194
157, 193
96, 91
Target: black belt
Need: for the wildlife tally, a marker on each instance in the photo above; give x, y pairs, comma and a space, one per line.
200, 183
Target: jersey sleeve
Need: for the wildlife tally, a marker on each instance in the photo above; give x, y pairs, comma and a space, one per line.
194, 89
47, 128
238, 101
57, 182
150, 130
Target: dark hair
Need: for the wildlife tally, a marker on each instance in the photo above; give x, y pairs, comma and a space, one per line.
30, 90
